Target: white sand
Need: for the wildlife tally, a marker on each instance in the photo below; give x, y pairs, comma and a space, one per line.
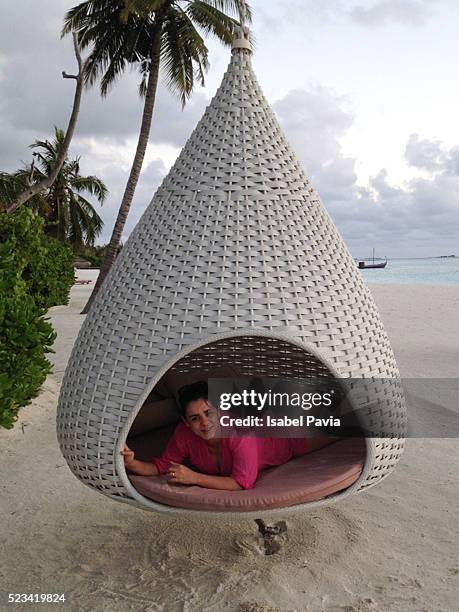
393, 548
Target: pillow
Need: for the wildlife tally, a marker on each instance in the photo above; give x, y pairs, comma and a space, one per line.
173, 381
303, 479
155, 414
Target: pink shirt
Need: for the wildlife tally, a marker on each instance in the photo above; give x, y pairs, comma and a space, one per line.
240, 458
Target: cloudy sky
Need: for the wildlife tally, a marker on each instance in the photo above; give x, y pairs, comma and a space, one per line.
366, 91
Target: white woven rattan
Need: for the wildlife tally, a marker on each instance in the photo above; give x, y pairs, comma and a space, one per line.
234, 261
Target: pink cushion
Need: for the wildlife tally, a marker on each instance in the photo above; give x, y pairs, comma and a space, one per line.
303, 479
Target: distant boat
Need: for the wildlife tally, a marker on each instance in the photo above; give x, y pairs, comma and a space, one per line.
365, 264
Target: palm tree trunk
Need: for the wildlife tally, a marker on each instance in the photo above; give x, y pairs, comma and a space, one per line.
134, 175
60, 159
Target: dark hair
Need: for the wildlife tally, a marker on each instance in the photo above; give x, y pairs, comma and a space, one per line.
191, 393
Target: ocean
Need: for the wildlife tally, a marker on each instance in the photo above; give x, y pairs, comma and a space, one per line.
429, 271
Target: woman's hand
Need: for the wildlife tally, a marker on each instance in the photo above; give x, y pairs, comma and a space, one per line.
135, 466
128, 456
180, 474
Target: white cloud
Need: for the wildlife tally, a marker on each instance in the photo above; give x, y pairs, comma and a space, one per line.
421, 217
319, 116
425, 154
382, 12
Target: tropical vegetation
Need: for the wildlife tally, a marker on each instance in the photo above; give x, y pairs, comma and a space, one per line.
36, 272
69, 216
50, 216
149, 35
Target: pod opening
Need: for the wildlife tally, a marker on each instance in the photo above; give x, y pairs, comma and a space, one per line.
306, 477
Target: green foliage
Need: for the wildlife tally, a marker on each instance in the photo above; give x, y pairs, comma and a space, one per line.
69, 216
11, 185
96, 255
25, 337
121, 34
44, 263
50, 277
36, 272
96, 260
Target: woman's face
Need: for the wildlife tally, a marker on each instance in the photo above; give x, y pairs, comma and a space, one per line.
202, 418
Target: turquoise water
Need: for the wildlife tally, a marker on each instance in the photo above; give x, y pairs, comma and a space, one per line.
432, 271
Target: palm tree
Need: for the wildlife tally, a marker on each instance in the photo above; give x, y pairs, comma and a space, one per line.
30, 188
69, 216
148, 34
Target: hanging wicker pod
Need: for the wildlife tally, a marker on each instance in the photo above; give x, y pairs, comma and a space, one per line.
235, 263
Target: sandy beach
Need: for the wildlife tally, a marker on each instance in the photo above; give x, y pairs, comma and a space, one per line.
393, 548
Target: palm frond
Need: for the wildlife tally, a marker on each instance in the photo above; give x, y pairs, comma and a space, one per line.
231, 7
92, 185
115, 43
65, 211
46, 157
85, 224
96, 223
119, 33
47, 146
75, 232
182, 48
82, 17
212, 21
140, 7
114, 51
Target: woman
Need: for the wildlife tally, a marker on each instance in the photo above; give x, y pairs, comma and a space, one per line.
230, 464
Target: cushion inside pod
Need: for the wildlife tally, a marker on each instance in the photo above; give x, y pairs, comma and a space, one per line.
303, 479
155, 413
